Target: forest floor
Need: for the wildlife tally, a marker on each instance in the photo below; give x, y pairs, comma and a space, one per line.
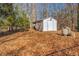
34, 43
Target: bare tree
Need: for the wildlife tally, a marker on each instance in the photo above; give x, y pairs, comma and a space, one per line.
67, 14
29, 13
78, 17
72, 13
45, 11
33, 12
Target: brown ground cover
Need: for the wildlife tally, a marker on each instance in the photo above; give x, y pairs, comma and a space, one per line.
34, 43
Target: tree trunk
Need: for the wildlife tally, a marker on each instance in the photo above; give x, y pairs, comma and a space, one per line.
11, 29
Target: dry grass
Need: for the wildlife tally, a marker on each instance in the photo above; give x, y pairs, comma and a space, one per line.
39, 43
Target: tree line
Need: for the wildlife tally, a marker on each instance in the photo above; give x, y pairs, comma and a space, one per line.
13, 19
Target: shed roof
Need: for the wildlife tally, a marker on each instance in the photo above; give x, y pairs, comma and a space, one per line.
49, 18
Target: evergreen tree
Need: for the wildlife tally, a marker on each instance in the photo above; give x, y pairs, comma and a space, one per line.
6, 9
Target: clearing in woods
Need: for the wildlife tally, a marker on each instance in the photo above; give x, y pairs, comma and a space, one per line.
39, 43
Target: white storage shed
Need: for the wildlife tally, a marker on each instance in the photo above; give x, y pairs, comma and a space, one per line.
48, 24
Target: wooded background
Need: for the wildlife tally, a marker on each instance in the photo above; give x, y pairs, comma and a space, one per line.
21, 15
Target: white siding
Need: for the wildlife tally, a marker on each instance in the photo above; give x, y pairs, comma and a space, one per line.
49, 25
55, 25
45, 25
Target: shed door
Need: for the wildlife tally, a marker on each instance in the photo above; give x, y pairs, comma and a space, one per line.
50, 25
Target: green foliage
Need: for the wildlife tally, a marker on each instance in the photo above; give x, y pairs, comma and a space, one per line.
6, 9
13, 18
22, 21
1, 22
10, 20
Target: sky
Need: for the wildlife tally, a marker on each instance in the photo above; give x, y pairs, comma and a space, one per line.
52, 7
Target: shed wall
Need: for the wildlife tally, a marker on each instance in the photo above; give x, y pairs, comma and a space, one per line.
49, 25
